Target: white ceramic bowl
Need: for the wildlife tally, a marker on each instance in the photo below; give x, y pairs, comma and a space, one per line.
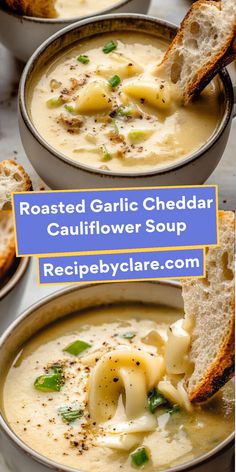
14, 276
60, 172
23, 34
19, 457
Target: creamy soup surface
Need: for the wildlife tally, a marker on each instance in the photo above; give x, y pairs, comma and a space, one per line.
104, 410
77, 8
103, 104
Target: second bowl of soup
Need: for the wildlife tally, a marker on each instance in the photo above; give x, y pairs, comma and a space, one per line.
95, 112
98, 388
30, 32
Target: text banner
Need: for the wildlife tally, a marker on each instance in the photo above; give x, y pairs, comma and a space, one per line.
70, 222
122, 266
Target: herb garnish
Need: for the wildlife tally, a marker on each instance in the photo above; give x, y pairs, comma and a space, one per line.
155, 399
70, 414
109, 47
128, 335
139, 457
114, 81
83, 59
51, 382
77, 347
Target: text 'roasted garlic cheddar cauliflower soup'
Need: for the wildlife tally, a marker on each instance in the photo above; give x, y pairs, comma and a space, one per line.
103, 104
106, 390
80, 8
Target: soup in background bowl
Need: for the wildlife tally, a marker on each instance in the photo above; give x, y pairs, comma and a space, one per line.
82, 8
30, 32
92, 390
94, 111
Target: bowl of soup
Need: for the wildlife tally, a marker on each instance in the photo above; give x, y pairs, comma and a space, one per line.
94, 111
30, 32
96, 390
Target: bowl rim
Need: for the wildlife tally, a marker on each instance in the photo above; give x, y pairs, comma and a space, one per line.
185, 161
187, 466
64, 21
15, 278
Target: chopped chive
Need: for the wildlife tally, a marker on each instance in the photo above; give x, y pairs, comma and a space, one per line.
139, 457
155, 399
54, 102
110, 46
106, 155
77, 347
114, 81
69, 415
128, 335
83, 59
173, 409
49, 383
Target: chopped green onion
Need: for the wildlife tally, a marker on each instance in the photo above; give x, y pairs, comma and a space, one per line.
155, 399
114, 81
57, 368
54, 102
139, 457
106, 155
83, 59
173, 409
125, 111
69, 415
138, 136
110, 46
49, 383
70, 109
128, 335
77, 347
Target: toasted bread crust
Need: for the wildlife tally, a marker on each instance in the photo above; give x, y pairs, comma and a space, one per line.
27, 182
222, 370
34, 8
226, 55
7, 256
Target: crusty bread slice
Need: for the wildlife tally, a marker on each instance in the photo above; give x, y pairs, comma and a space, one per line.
203, 45
210, 304
13, 178
7, 243
35, 8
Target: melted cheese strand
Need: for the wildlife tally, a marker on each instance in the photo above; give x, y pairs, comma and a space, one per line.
116, 371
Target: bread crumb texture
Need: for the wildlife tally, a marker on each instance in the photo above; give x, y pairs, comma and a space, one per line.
210, 303
13, 178
201, 46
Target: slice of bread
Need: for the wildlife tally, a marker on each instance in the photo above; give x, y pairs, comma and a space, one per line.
7, 242
35, 8
13, 178
210, 304
203, 45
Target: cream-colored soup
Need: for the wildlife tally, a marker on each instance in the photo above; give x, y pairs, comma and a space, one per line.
106, 389
113, 111
77, 8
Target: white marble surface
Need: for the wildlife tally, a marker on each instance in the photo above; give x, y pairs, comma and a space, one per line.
28, 291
